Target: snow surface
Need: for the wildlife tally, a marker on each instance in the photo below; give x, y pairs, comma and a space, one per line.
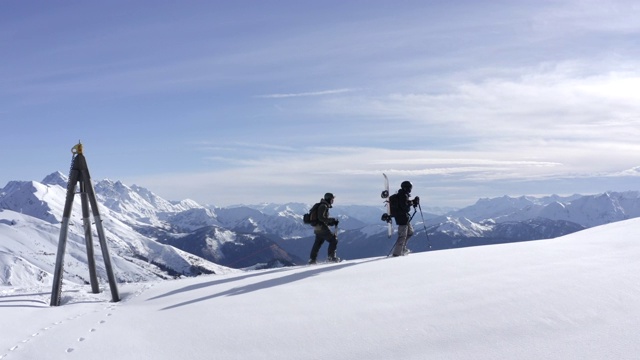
575, 297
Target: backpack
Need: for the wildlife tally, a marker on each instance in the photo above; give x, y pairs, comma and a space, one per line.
394, 207
311, 217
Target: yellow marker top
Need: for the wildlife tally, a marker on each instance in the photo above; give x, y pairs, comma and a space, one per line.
77, 149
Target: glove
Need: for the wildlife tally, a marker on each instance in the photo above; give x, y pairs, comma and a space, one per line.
333, 222
416, 201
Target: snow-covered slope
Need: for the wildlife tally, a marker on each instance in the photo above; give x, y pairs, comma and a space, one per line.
30, 215
29, 247
570, 298
40, 201
141, 230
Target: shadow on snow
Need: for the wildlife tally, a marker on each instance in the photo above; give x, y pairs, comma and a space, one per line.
259, 285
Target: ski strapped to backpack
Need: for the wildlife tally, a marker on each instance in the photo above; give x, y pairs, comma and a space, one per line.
311, 217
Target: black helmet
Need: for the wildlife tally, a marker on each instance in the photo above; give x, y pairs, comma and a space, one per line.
328, 197
406, 186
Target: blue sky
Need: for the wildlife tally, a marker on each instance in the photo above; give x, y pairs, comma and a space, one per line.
228, 102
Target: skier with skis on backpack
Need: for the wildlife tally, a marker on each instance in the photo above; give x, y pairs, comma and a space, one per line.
322, 231
403, 218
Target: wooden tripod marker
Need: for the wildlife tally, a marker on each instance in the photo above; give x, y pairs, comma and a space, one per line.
79, 175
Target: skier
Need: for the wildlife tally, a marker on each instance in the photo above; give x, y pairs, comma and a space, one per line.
322, 231
403, 218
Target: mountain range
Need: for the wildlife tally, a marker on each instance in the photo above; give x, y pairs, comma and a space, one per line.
151, 237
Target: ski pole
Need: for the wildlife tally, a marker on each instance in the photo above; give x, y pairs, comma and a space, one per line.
392, 247
425, 227
414, 213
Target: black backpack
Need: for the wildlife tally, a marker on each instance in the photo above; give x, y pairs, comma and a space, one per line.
394, 207
311, 217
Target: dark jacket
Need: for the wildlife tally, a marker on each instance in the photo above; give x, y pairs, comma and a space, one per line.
324, 221
404, 208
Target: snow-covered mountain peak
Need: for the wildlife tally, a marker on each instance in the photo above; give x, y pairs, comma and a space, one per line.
492, 208
462, 227
193, 219
162, 204
187, 203
56, 178
286, 210
34, 199
123, 200
138, 203
30, 215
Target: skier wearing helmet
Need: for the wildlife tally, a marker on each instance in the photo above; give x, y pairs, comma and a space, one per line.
322, 231
403, 218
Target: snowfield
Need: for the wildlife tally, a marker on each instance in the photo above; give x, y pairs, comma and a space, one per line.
575, 297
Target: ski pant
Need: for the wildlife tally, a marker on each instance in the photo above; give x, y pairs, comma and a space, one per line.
404, 233
324, 234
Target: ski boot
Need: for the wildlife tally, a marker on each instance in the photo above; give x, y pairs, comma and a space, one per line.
333, 258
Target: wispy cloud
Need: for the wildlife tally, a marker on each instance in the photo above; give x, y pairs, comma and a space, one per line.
355, 173
635, 171
306, 94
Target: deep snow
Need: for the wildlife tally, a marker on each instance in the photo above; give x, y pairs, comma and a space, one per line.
575, 297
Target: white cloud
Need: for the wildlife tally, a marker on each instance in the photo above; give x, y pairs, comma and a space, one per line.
355, 173
556, 103
618, 16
